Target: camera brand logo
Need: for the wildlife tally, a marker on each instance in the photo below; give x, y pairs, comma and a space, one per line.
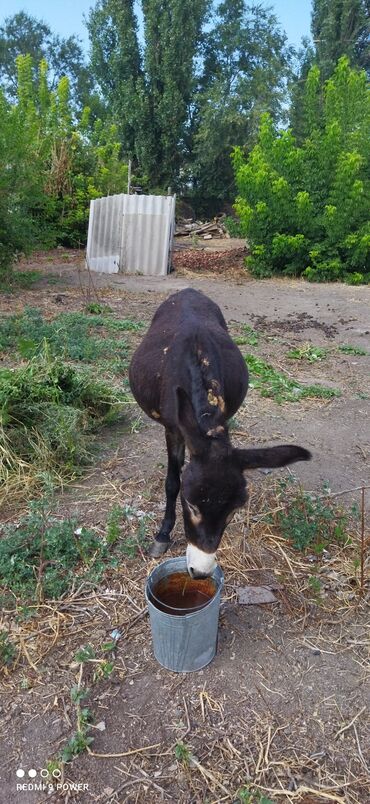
50, 781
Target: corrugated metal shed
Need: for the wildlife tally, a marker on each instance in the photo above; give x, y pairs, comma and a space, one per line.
131, 234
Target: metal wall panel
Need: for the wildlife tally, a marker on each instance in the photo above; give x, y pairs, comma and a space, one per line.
131, 234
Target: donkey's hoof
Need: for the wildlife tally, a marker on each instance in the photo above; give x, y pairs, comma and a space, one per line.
158, 548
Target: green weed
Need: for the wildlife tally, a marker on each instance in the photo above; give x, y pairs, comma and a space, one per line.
97, 308
347, 349
250, 338
131, 538
115, 520
245, 796
277, 386
43, 556
307, 352
310, 521
7, 650
314, 584
84, 654
183, 753
80, 740
19, 280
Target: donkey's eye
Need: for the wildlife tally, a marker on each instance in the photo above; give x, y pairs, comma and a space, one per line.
195, 515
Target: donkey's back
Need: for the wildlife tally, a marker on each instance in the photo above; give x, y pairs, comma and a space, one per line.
188, 346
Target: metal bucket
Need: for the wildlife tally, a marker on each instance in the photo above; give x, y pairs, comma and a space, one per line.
183, 642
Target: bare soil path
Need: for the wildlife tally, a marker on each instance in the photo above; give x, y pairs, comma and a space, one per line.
281, 711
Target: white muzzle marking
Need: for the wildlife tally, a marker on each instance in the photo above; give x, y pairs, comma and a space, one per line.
198, 562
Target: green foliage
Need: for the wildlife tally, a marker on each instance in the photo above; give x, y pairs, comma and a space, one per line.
7, 650
307, 352
232, 226
246, 64
305, 208
79, 741
115, 520
281, 388
340, 27
183, 753
22, 35
84, 654
251, 337
41, 558
347, 349
311, 522
53, 161
135, 536
246, 796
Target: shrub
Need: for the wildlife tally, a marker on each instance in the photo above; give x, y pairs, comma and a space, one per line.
305, 209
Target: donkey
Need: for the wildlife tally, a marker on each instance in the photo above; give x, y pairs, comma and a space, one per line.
188, 375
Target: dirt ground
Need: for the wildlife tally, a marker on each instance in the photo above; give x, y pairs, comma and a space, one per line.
281, 711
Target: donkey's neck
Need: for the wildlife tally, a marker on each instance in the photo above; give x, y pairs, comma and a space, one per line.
207, 388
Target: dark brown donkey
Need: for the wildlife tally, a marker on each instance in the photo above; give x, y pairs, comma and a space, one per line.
189, 376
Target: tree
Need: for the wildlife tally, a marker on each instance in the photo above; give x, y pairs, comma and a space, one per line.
52, 163
303, 62
340, 27
150, 94
23, 35
246, 66
116, 63
305, 209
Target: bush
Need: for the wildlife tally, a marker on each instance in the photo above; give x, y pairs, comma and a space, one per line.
53, 162
305, 209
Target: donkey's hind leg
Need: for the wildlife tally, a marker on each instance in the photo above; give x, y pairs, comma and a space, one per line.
176, 455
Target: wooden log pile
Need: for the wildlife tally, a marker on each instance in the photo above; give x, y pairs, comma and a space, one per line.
186, 227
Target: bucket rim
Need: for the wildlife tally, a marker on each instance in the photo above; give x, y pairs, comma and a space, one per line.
217, 575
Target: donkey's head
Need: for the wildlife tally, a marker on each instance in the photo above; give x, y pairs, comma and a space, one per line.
213, 486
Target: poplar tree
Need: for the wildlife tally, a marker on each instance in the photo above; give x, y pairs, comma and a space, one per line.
116, 63
340, 28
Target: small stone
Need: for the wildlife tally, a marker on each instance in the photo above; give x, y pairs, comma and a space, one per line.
316, 652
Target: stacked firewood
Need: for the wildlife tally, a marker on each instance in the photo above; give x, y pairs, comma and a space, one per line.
186, 227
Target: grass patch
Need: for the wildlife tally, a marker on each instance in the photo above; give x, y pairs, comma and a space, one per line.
119, 529
43, 556
48, 414
19, 280
246, 796
310, 521
310, 353
72, 336
347, 349
249, 338
281, 388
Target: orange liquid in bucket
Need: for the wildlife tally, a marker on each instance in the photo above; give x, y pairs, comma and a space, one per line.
180, 594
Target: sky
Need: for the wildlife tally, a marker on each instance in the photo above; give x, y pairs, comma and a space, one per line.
65, 17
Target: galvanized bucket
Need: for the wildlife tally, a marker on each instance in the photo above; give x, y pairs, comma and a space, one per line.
187, 642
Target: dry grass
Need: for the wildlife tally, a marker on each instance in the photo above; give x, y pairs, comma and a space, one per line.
257, 748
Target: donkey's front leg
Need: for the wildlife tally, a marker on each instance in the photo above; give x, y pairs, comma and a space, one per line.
176, 454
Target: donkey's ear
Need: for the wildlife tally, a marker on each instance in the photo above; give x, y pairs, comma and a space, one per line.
188, 424
270, 457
